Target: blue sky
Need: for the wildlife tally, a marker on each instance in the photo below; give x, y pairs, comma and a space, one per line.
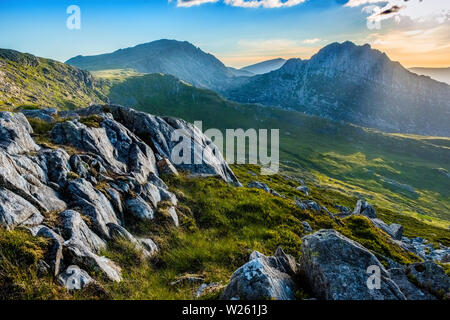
226, 28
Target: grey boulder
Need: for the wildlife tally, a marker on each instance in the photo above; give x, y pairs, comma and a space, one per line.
336, 268
263, 278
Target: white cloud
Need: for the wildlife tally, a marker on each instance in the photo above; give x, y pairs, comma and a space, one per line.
243, 3
311, 41
191, 3
415, 10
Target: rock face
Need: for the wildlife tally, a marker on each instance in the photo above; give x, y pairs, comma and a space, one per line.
15, 133
15, 211
81, 201
158, 133
263, 278
78, 254
430, 277
336, 269
92, 203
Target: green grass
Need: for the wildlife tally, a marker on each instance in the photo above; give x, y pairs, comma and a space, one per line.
19, 279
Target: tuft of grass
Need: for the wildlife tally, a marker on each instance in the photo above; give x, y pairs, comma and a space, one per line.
362, 230
19, 278
92, 121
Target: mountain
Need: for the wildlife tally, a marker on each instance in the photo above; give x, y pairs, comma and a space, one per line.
265, 66
439, 74
29, 81
357, 84
240, 72
180, 59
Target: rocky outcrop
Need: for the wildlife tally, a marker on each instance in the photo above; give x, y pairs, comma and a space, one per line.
74, 229
15, 211
336, 268
158, 133
430, 277
264, 278
411, 292
394, 230
15, 134
364, 208
77, 254
79, 195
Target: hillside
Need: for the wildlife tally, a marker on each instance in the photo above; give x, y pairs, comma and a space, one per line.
180, 59
398, 172
356, 84
28, 81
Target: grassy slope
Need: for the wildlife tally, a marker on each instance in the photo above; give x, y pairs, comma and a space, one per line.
220, 226
46, 84
396, 172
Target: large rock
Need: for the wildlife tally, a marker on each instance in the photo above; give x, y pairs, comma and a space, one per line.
74, 229
411, 292
336, 269
263, 278
93, 203
54, 254
430, 277
158, 133
14, 210
394, 230
56, 165
140, 209
15, 134
364, 208
80, 255
22, 175
120, 149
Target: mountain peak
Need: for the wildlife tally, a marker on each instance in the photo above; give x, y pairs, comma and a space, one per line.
178, 58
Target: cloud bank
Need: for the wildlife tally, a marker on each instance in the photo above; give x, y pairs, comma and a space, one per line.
243, 3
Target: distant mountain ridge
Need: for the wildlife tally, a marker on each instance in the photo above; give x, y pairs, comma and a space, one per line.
180, 59
265, 66
439, 74
356, 84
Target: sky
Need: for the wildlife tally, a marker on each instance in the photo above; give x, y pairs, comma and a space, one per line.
238, 32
